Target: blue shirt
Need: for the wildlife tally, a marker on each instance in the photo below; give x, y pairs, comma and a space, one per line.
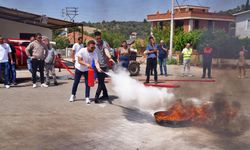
151, 48
162, 52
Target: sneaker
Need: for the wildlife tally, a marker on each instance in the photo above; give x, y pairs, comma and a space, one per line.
34, 86
7, 86
87, 101
72, 98
44, 85
146, 82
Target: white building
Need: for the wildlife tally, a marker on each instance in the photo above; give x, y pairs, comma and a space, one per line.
242, 24
22, 25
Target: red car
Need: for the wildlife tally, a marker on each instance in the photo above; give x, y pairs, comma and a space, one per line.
21, 57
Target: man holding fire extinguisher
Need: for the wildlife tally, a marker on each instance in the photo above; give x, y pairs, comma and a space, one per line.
104, 58
85, 57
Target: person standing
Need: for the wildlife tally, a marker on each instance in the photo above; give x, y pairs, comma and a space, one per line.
124, 52
207, 61
39, 53
162, 57
187, 53
50, 61
151, 52
12, 68
76, 48
104, 58
85, 57
5, 54
242, 62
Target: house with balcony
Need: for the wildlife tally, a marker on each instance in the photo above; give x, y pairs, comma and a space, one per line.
191, 17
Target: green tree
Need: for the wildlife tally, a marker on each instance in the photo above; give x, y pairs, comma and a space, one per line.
62, 42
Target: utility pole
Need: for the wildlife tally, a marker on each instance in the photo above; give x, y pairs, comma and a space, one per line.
71, 12
171, 29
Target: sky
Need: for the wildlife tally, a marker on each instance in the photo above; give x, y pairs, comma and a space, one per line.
108, 10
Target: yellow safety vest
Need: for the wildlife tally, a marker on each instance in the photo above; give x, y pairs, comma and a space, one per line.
187, 53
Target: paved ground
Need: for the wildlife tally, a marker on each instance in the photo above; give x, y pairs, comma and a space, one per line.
42, 118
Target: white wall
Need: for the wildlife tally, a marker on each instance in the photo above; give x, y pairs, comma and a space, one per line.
241, 25
12, 29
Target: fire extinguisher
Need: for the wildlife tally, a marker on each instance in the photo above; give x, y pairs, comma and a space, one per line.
91, 77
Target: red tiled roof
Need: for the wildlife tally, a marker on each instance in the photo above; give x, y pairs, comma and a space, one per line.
78, 34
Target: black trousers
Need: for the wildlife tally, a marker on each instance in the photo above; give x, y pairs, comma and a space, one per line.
151, 65
101, 83
35, 65
207, 66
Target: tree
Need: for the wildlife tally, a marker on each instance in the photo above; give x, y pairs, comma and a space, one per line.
62, 42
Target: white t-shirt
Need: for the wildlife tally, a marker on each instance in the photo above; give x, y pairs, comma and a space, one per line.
4, 51
76, 47
87, 57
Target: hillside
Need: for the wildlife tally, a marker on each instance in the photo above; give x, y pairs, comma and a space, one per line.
122, 27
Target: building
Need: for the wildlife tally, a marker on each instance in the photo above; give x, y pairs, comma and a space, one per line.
22, 25
73, 37
242, 24
193, 17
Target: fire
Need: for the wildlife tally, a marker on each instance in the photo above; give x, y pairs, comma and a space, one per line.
207, 111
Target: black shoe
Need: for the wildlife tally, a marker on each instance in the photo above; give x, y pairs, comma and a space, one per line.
55, 83
97, 101
203, 77
104, 98
146, 82
209, 77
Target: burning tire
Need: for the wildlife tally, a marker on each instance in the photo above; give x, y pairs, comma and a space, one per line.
134, 68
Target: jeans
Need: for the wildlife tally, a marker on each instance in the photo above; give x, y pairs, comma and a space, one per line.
5, 67
163, 64
29, 65
78, 75
50, 68
35, 65
12, 72
186, 66
151, 65
101, 83
124, 61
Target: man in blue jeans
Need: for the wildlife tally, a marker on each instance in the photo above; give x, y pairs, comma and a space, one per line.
5, 54
85, 57
162, 57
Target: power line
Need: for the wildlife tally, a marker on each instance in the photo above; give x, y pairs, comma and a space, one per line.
70, 12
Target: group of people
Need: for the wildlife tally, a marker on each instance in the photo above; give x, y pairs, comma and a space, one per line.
159, 54
41, 56
95, 56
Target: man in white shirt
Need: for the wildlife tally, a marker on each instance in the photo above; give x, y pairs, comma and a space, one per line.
76, 48
5, 54
85, 57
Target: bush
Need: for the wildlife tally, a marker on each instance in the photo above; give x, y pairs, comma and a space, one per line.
172, 61
114, 39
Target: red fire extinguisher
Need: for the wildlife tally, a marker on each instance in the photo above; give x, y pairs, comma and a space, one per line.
91, 77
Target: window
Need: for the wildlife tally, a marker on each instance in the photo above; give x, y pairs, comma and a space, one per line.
248, 24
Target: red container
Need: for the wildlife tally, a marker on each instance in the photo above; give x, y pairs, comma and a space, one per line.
91, 77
